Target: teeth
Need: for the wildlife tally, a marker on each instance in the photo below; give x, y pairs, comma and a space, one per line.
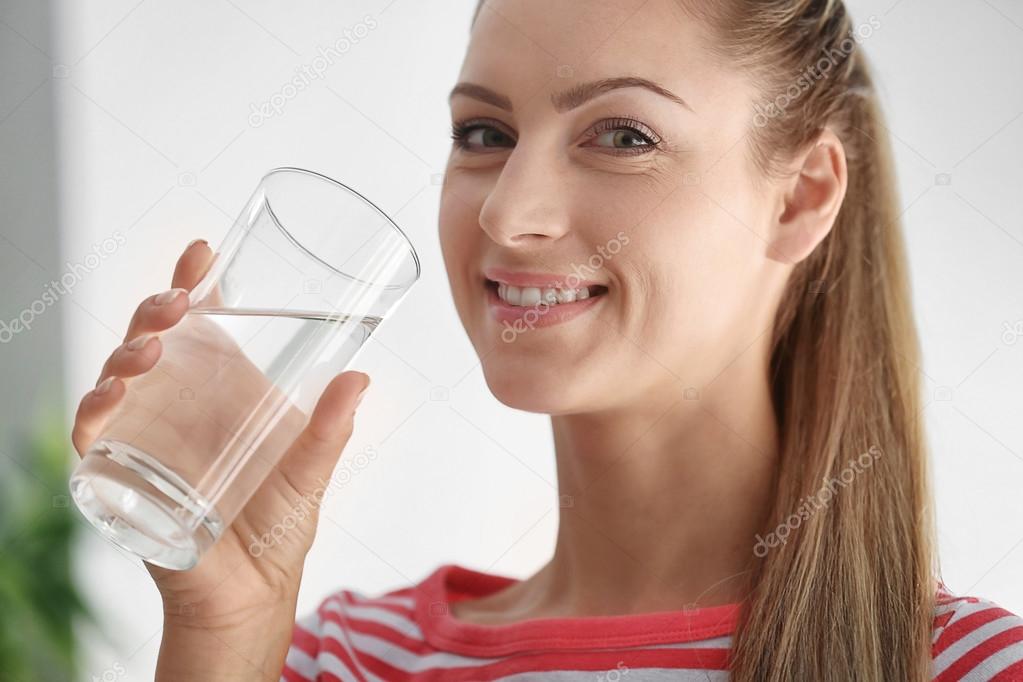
509, 294
532, 296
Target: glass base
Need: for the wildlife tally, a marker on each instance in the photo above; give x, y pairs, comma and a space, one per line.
144, 507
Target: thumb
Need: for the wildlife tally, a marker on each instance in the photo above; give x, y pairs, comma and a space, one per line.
314, 454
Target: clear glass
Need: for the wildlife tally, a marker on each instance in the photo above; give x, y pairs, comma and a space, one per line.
306, 274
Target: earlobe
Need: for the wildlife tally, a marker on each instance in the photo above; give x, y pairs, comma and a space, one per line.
811, 201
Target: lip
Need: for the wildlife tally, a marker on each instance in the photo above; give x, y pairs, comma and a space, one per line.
524, 318
539, 280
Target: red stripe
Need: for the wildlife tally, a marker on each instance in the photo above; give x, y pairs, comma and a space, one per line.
305, 641
293, 675
332, 645
942, 620
368, 627
957, 630
974, 656
378, 667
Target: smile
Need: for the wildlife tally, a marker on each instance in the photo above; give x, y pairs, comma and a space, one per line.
530, 297
527, 307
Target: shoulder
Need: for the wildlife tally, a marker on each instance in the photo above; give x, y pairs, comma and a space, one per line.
347, 624
975, 640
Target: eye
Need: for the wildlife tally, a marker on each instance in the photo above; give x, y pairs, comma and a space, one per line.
625, 136
479, 134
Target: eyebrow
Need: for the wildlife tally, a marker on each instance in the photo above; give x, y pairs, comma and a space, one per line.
571, 98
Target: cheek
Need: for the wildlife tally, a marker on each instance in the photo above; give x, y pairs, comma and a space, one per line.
696, 272
458, 231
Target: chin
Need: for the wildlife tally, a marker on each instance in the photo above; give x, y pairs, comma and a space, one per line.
536, 388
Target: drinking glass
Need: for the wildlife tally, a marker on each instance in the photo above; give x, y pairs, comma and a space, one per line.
305, 275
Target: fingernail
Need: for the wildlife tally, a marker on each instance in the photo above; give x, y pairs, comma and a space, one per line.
196, 241
139, 342
168, 296
104, 386
358, 399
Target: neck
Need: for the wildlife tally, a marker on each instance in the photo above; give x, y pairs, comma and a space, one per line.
660, 504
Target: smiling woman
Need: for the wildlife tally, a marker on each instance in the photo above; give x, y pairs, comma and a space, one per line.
672, 226
738, 376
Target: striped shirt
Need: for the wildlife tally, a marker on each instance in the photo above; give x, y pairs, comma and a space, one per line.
409, 634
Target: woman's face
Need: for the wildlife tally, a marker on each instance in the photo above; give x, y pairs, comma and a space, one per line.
651, 200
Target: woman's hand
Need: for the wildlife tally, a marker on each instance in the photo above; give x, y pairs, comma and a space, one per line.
231, 615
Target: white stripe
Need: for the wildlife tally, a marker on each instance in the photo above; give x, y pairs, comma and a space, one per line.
302, 663
965, 609
996, 662
402, 658
390, 619
970, 640
961, 610
362, 598
343, 638
310, 623
724, 642
404, 602
638, 674
329, 663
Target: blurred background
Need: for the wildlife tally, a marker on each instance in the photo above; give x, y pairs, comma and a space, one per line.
130, 127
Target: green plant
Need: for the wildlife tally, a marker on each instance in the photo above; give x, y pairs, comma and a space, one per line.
39, 601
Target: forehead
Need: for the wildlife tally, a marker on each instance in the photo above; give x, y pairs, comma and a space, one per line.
527, 49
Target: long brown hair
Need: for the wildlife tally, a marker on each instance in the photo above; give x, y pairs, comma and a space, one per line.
850, 595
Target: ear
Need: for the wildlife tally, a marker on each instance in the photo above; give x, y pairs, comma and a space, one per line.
809, 201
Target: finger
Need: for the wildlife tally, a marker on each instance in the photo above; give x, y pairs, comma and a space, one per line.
158, 313
315, 452
192, 265
164, 310
93, 412
132, 358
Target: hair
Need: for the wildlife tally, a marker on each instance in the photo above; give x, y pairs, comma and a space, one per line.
851, 594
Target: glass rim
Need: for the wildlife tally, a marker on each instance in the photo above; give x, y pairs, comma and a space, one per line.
293, 170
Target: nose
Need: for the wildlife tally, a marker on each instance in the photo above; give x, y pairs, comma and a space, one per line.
528, 204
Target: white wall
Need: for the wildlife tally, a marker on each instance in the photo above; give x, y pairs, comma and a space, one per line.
158, 144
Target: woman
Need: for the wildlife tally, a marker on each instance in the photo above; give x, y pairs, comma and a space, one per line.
672, 226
